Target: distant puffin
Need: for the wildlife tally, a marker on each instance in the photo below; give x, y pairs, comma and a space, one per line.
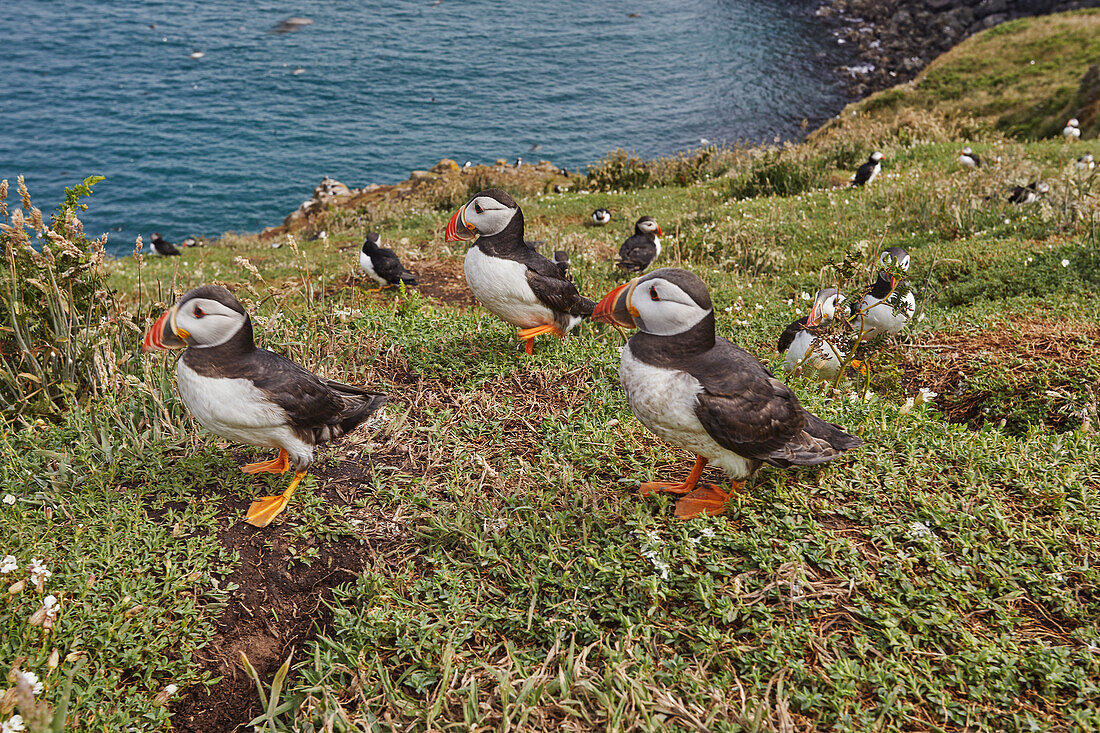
600, 217
705, 394
510, 278
162, 246
640, 250
1071, 131
1027, 194
382, 264
875, 314
1085, 162
869, 170
798, 338
969, 158
251, 395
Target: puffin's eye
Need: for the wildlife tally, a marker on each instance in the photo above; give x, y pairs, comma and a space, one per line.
477, 208
198, 312
653, 293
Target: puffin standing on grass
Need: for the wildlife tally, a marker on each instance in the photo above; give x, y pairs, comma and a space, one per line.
806, 333
1027, 194
640, 250
600, 217
881, 312
382, 264
969, 159
508, 277
1071, 131
162, 246
251, 395
704, 394
869, 170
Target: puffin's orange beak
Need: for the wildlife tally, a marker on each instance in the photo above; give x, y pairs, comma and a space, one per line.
659, 232
452, 234
162, 335
812, 319
615, 308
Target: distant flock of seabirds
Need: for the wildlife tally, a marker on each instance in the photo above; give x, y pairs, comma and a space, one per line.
685, 384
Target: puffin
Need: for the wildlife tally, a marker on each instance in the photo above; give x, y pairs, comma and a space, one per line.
878, 313
1027, 194
703, 393
508, 277
867, 172
382, 264
1071, 131
807, 334
162, 246
969, 159
639, 250
250, 395
600, 217
1085, 162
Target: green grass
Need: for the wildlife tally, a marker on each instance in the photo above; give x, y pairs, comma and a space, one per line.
942, 577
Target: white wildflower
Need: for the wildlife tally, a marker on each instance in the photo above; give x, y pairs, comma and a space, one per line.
919, 530
1030, 260
926, 395
14, 724
38, 571
171, 689
9, 499
806, 296
32, 681
8, 564
51, 606
1065, 263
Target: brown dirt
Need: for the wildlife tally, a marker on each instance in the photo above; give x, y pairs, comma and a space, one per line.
439, 279
1020, 350
280, 602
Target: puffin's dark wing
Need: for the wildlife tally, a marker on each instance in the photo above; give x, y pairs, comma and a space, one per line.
787, 337
390, 269
550, 286
863, 173
166, 248
637, 253
1019, 193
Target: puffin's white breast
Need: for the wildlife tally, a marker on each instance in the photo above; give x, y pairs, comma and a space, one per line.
368, 267
825, 360
237, 410
664, 401
874, 172
879, 316
501, 286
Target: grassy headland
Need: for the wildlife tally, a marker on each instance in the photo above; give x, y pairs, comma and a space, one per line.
480, 558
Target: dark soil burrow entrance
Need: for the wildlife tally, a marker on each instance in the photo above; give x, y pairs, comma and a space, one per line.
279, 604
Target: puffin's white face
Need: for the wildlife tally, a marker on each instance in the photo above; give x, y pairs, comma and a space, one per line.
663, 309
825, 306
1072, 123
876, 157
886, 259
207, 322
648, 226
966, 151
487, 215
1042, 188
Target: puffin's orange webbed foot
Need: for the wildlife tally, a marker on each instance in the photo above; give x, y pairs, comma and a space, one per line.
707, 499
528, 335
275, 465
650, 487
262, 511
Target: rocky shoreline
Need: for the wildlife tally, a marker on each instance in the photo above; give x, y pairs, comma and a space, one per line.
895, 39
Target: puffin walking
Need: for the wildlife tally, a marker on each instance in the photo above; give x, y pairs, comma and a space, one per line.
969, 159
705, 394
600, 217
643, 247
881, 312
382, 264
1071, 131
251, 395
1027, 194
869, 170
162, 246
510, 278
805, 343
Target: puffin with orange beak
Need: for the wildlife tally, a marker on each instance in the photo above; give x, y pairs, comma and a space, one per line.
702, 393
807, 346
251, 395
508, 276
883, 310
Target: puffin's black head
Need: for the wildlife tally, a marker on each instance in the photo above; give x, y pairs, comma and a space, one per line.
648, 225
205, 317
371, 242
488, 213
664, 302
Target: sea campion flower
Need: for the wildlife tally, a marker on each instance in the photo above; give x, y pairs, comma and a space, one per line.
8, 564
14, 724
32, 682
926, 395
39, 573
9, 499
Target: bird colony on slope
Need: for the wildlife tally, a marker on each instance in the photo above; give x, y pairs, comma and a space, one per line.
685, 384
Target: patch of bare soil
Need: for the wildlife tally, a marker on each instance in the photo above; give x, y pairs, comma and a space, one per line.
1019, 352
280, 602
439, 279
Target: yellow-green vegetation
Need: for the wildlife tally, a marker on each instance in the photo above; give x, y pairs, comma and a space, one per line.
491, 564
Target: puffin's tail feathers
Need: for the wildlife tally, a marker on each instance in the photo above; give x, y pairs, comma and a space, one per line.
359, 404
819, 442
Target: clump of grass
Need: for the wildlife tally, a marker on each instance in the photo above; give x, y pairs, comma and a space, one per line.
778, 172
624, 171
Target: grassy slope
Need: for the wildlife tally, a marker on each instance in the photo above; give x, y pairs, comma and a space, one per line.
940, 577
